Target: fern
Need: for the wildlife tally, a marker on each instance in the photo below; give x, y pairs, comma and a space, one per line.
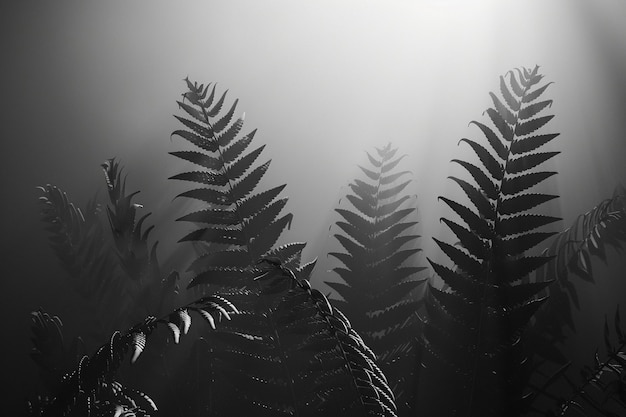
80, 243
476, 326
573, 249
91, 388
304, 359
77, 239
240, 226
148, 290
374, 284
131, 240
243, 225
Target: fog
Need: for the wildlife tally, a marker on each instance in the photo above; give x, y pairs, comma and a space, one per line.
323, 81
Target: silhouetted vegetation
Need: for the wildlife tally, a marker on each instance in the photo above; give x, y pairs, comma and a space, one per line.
483, 337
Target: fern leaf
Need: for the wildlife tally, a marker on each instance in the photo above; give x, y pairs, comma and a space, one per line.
528, 162
508, 115
255, 203
488, 161
510, 100
197, 140
530, 126
481, 179
495, 142
202, 177
477, 224
485, 208
231, 133
517, 245
485, 292
522, 202
534, 95
525, 222
221, 123
212, 216
233, 151
474, 245
245, 186
515, 185
139, 344
202, 131
532, 109
217, 107
501, 124
263, 243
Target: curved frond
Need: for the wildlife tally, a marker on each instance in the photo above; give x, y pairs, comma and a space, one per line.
92, 380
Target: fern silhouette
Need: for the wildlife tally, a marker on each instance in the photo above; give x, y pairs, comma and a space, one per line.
590, 235
313, 364
268, 366
243, 225
476, 325
92, 389
77, 240
374, 283
148, 290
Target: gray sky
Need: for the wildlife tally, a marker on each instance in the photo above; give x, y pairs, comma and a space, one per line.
322, 80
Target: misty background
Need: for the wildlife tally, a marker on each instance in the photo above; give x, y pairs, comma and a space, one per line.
323, 81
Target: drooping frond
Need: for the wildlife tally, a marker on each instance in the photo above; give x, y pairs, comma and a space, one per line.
573, 250
590, 235
375, 280
476, 325
239, 222
91, 386
301, 358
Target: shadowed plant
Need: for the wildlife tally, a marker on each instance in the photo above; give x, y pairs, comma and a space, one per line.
475, 327
377, 276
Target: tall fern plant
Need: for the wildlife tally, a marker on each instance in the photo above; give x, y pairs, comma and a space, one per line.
375, 280
287, 352
475, 327
240, 224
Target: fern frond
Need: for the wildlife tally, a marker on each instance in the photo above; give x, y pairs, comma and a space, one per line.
589, 236
487, 303
374, 285
247, 222
131, 240
304, 359
92, 380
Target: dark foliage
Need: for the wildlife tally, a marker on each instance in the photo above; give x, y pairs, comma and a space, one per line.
602, 390
475, 327
377, 275
91, 389
285, 349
